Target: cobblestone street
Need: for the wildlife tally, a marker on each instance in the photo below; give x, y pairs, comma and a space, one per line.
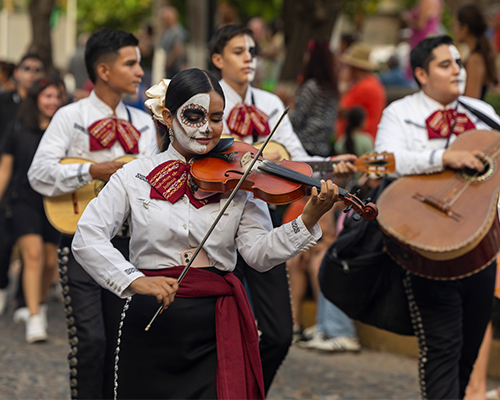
39, 371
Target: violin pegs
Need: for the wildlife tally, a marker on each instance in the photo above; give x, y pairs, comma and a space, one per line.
194, 186
347, 209
357, 192
368, 200
356, 217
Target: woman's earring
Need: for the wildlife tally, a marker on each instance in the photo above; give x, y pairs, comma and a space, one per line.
171, 135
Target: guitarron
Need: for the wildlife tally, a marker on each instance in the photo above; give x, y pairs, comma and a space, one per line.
445, 226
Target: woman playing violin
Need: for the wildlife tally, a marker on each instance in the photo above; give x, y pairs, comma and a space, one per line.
205, 343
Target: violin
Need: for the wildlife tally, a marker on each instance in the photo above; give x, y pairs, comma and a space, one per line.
280, 182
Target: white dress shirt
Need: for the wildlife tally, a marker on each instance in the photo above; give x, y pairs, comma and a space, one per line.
67, 136
161, 231
402, 131
273, 107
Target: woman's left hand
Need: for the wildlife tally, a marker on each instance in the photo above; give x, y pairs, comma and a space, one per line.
319, 203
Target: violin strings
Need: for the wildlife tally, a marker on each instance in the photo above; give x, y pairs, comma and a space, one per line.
288, 173
295, 176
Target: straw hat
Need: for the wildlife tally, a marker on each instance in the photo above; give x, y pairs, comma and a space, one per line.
358, 55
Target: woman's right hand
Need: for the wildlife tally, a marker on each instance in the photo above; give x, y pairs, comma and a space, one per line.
161, 287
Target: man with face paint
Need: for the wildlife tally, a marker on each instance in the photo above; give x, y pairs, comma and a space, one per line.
232, 54
100, 129
449, 316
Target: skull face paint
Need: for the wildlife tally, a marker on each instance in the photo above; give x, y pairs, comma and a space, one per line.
251, 49
191, 123
462, 76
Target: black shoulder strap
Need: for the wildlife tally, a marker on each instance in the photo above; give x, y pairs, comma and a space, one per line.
482, 116
254, 136
129, 115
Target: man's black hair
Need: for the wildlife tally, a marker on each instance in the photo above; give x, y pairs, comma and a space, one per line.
423, 54
104, 42
221, 38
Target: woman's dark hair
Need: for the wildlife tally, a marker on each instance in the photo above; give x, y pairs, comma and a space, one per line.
355, 118
28, 112
105, 42
185, 85
471, 16
321, 66
8, 68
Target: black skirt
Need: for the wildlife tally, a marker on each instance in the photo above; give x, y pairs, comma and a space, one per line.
176, 358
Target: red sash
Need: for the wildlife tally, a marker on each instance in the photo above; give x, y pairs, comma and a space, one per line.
239, 369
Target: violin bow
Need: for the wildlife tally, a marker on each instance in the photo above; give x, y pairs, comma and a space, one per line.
221, 213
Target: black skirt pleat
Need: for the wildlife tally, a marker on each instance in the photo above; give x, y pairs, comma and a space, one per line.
176, 358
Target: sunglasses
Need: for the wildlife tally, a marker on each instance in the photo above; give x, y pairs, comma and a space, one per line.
27, 68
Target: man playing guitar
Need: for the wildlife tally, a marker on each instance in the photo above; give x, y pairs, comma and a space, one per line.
449, 316
100, 129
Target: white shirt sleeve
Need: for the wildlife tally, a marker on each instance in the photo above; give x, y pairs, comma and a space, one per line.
92, 246
46, 175
262, 247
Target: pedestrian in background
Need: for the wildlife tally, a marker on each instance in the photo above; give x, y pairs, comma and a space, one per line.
36, 238
470, 27
29, 69
364, 88
173, 41
316, 104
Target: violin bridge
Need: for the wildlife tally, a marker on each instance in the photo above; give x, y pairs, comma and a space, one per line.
246, 159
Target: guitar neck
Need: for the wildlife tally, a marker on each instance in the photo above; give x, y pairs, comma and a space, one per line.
321, 166
377, 163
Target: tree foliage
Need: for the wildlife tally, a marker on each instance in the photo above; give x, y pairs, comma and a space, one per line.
365, 7
114, 14
267, 9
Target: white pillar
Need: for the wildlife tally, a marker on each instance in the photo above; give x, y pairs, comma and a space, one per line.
70, 44
4, 28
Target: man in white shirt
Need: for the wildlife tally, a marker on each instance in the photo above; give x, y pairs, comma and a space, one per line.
232, 53
449, 316
232, 50
100, 129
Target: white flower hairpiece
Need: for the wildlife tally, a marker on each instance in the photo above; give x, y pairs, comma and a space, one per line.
156, 100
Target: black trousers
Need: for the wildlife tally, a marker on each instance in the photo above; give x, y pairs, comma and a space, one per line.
269, 295
92, 316
450, 318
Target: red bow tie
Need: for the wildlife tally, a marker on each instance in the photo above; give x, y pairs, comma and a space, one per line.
440, 123
246, 119
169, 181
105, 132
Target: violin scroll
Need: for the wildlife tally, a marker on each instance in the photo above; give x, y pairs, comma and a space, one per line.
367, 209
